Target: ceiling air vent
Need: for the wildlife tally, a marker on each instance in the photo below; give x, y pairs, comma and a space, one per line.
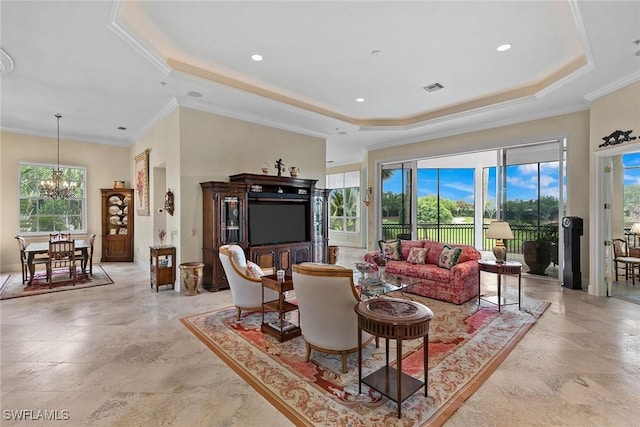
434, 87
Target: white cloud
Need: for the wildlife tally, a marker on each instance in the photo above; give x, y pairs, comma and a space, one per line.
460, 186
528, 169
529, 183
631, 180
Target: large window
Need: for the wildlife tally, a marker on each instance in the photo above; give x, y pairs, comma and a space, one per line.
42, 215
344, 197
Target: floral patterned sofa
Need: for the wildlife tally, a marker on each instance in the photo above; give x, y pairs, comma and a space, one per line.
457, 285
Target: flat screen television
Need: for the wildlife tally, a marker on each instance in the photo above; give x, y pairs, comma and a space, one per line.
275, 222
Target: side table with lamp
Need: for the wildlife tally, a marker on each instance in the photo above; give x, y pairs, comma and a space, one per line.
500, 230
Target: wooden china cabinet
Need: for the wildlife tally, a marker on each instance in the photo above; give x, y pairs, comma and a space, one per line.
117, 224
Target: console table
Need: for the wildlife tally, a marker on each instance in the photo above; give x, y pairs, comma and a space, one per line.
500, 268
399, 319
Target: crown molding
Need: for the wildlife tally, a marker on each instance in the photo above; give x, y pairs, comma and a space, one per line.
53, 135
166, 109
476, 128
613, 86
209, 108
154, 57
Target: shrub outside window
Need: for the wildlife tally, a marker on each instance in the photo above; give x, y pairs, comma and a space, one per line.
344, 197
41, 215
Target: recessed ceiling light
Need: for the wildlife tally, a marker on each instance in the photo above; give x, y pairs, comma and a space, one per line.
504, 47
122, 128
256, 57
194, 94
359, 99
376, 52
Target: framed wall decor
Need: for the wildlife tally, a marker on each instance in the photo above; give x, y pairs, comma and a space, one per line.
142, 183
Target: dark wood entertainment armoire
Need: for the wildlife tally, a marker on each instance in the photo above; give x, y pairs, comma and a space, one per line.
225, 209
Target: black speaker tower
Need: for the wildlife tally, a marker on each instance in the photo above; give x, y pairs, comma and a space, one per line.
572, 276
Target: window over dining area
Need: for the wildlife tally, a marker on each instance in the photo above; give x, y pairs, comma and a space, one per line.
39, 214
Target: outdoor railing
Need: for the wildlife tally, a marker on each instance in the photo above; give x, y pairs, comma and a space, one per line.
464, 234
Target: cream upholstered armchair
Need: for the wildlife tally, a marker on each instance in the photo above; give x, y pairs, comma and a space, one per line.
326, 299
246, 290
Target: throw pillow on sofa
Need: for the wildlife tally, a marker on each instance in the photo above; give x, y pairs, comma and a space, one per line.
406, 245
449, 257
391, 248
254, 270
417, 255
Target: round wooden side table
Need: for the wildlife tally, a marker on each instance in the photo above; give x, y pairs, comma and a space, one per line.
399, 319
500, 268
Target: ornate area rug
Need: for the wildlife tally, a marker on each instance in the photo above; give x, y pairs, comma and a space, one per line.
14, 288
466, 344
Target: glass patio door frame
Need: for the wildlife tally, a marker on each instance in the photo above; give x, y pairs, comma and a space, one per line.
502, 190
411, 166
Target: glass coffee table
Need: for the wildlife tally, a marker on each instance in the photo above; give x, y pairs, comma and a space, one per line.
388, 282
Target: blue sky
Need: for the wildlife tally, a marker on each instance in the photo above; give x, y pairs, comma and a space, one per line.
631, 176
457, 184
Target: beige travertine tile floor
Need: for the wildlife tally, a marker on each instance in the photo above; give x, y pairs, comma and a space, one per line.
117, 356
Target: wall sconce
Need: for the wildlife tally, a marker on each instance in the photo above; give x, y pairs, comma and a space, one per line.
168, 202
367, 197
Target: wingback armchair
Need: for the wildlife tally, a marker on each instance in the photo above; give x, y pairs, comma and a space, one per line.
326, 299
246, 290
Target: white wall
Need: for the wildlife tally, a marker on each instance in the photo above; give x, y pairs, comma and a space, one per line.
191, 146
163, 142
619, 110
105, 164
214, 147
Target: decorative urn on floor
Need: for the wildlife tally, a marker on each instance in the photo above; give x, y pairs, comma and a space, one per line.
191, 277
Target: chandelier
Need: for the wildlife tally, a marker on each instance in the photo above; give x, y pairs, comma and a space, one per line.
57, 187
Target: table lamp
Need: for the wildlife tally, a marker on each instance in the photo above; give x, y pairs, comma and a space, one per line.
499, 230
635, 230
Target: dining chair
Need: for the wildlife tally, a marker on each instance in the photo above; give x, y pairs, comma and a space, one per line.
24, 261
59, 236
92, 239
62, 254
622, 260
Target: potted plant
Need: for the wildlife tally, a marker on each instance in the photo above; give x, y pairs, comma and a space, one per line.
539, 253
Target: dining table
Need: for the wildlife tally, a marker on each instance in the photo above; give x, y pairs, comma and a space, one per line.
37, 248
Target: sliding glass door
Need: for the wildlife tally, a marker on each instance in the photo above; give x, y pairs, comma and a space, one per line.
445, 208
529, 199
396, 201
453, 199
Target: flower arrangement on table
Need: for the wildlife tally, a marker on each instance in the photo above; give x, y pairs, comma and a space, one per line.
380, 259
